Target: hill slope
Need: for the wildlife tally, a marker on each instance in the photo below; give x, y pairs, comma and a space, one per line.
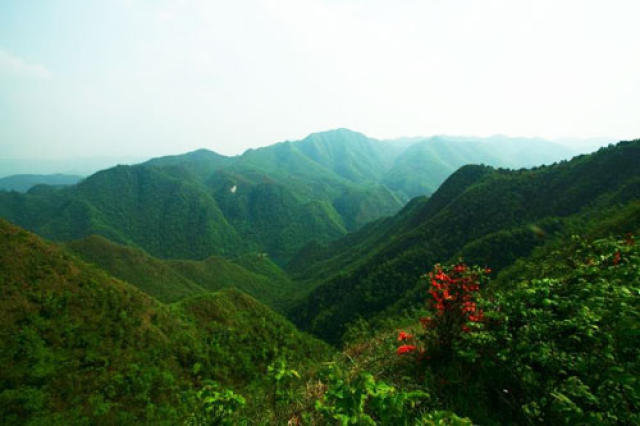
79, 346
172, 280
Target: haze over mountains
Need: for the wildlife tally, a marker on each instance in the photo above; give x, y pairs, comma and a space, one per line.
22, 183
85, 166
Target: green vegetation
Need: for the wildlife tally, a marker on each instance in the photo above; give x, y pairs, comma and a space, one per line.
560, 344
173, 280
530, 314
492, 215
566, 336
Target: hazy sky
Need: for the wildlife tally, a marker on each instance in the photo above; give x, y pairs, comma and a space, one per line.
144, 78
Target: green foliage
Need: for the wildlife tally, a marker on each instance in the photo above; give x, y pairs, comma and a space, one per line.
364, 401
559, 342
558, 345
153, 276
216, 406
283, 381
567, 339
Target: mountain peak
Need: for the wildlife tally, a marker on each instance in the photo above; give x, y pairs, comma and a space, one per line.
339, 132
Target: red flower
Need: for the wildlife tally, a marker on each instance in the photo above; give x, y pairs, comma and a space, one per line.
477, 317
404, 336
616, 258
442, 277
487, 270
405, 348
469, 307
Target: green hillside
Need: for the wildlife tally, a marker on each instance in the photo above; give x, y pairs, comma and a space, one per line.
498, 209
139, 206
81, 347
271, 215
172, 280
151, 275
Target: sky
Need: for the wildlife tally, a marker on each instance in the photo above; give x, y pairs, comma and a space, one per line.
143, 78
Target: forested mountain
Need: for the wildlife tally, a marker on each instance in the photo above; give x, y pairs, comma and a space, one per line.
141, 206
493, 216
22, 183
274, 199
81, 347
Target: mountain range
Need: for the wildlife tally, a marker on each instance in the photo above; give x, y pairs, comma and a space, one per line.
274, 199
288, 285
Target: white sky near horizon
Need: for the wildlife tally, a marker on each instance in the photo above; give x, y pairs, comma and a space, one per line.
143, 78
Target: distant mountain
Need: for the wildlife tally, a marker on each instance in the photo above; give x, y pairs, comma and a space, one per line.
82, 166
275, 199
22, 183
78, 345
426, 163
488, 215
